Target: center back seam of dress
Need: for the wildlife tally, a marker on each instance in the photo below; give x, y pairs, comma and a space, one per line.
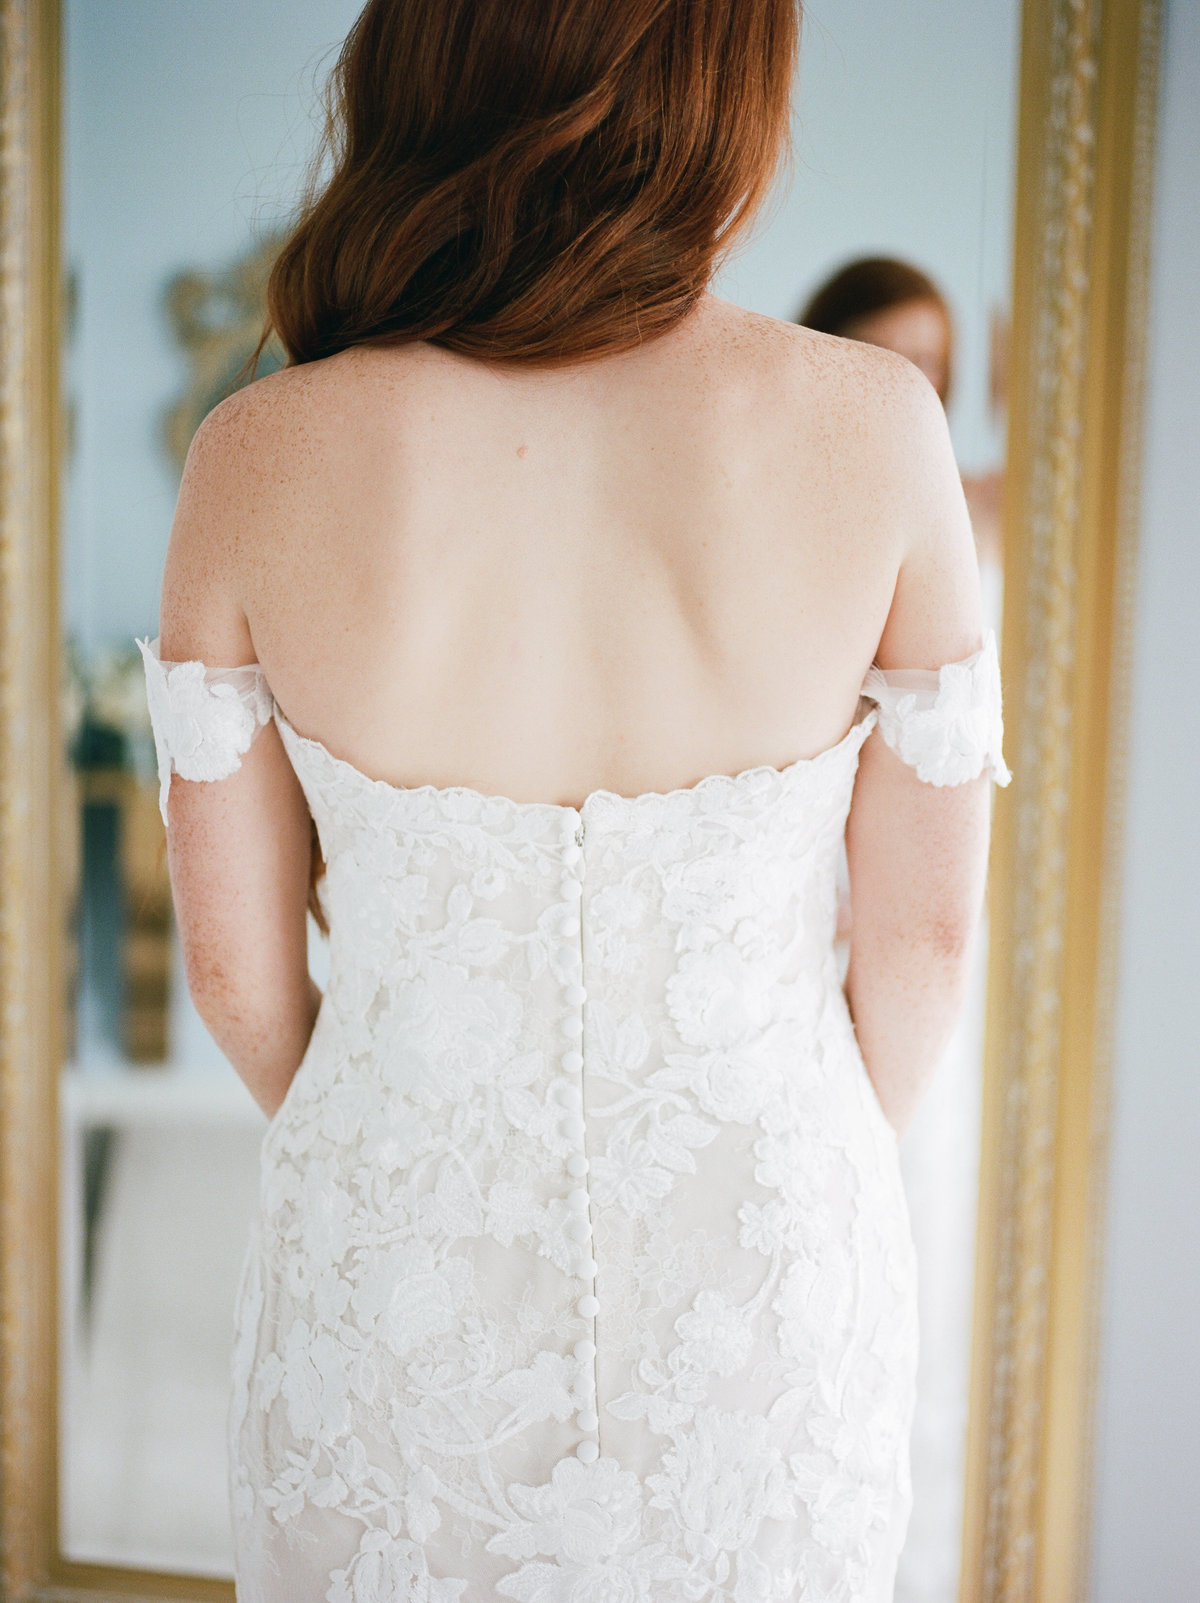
580, 837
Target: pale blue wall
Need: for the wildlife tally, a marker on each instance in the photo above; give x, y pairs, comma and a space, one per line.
904, 145
188, 122
1146, 1517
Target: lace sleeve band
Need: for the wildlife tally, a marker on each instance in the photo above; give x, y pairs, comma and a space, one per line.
204, 719
945, 723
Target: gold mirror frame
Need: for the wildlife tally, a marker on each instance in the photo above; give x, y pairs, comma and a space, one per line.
1086, 131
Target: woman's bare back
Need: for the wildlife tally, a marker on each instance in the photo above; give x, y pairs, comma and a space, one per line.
625, 574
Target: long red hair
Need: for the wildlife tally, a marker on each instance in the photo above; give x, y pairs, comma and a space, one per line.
532, 180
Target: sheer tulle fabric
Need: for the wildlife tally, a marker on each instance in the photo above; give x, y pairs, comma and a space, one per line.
946, 724
582, 1269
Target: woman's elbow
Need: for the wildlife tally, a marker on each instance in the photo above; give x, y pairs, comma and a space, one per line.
217, 986
226, 977
931, 937
948, 935
248, 995
938, 913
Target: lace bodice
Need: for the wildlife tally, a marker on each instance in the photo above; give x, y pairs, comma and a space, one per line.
582, 1272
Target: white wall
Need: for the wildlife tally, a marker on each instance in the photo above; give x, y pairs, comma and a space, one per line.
188, 123
1147, 1496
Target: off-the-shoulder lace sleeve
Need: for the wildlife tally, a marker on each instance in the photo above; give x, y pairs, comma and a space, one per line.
945, 723
204, 719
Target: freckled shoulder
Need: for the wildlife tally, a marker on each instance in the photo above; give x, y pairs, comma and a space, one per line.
263, 415
864, 384
239, 468
253, 459
864, 421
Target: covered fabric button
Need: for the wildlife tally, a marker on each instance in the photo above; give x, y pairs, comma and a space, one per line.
572, 1061
588, 1306
587, 1269
575, 994
585, 1350
588, 1420
578, 1229
578, 1198
573, 1128
587, 1452
572, 889
577, 1164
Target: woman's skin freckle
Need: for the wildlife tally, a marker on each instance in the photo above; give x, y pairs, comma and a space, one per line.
522, 450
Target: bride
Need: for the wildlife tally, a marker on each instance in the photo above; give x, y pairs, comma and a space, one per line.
550, 622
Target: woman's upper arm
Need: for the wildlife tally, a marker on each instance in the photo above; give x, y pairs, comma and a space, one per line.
936, 615
917, 834
239, 848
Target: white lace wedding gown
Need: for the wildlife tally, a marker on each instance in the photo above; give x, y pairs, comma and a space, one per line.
583, 1272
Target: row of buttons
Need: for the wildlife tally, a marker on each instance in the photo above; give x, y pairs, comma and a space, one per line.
574, 1128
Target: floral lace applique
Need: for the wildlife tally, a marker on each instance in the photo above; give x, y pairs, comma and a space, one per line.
204, 719
947, 725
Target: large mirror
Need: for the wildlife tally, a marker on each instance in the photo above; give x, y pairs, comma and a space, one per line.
174, 141
171, 201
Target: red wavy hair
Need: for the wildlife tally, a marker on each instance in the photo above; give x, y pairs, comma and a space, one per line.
532, 180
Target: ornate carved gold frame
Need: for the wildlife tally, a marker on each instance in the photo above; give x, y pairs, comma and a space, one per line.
1084, 170
1082, 228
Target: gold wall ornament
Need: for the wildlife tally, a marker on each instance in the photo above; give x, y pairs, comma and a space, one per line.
1086, 119
1088, 76
217, 319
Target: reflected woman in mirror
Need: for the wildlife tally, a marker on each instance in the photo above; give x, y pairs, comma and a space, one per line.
585, 615
894, 305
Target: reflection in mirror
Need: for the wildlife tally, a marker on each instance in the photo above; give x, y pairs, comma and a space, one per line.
187, 131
